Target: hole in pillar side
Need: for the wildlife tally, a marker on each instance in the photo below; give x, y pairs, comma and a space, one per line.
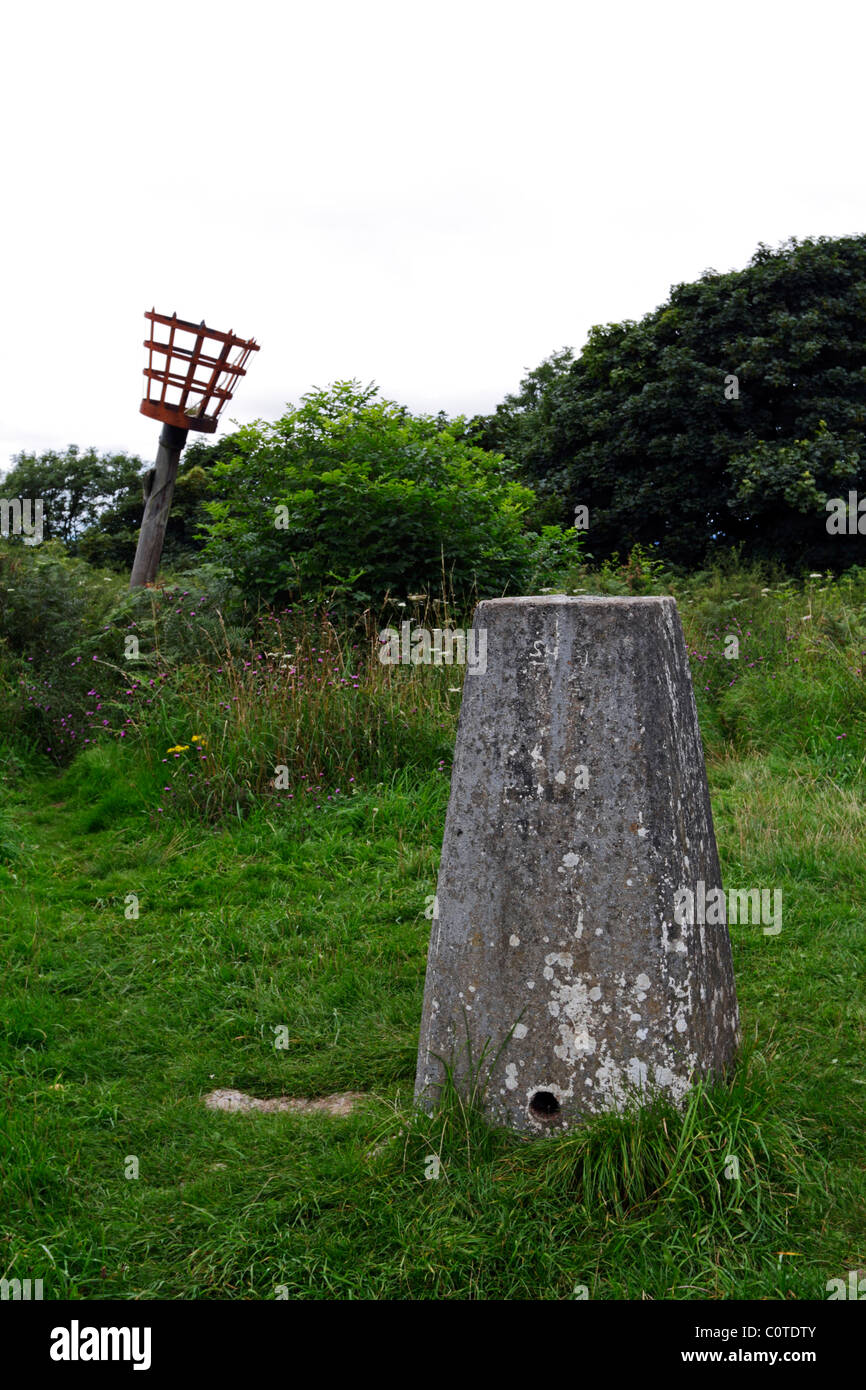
544, 1105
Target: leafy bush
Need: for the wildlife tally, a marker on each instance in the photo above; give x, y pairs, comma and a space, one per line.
81, 656
49, 604
352, 497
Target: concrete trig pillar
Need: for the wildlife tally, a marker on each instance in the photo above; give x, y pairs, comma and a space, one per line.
579, 808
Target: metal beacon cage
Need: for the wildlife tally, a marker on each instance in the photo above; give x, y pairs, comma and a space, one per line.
191, 375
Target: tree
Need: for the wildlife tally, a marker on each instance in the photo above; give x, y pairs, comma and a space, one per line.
112, 542
76, 488
729, 415
352, 494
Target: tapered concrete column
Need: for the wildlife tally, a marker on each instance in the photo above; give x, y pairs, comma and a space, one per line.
579, 808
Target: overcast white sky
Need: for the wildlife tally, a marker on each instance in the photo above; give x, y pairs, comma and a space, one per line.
432, 196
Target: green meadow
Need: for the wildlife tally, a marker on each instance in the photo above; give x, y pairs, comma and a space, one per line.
169, 915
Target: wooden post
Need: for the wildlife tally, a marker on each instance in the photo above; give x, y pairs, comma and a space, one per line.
157, 506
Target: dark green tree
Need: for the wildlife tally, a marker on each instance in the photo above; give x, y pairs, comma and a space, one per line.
727, 416
93, 502
76, 487
113, 539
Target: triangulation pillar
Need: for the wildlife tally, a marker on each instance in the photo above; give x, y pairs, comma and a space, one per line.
579, 809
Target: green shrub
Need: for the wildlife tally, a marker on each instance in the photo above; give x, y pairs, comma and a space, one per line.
353, 498
81, 657
51, 605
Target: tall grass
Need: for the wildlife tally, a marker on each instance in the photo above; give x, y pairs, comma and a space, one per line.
302, 713
113, 1028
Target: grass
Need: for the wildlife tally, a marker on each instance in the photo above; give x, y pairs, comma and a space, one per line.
309, 915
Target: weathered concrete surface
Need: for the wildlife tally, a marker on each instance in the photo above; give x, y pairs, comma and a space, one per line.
343, 1103
556, 887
